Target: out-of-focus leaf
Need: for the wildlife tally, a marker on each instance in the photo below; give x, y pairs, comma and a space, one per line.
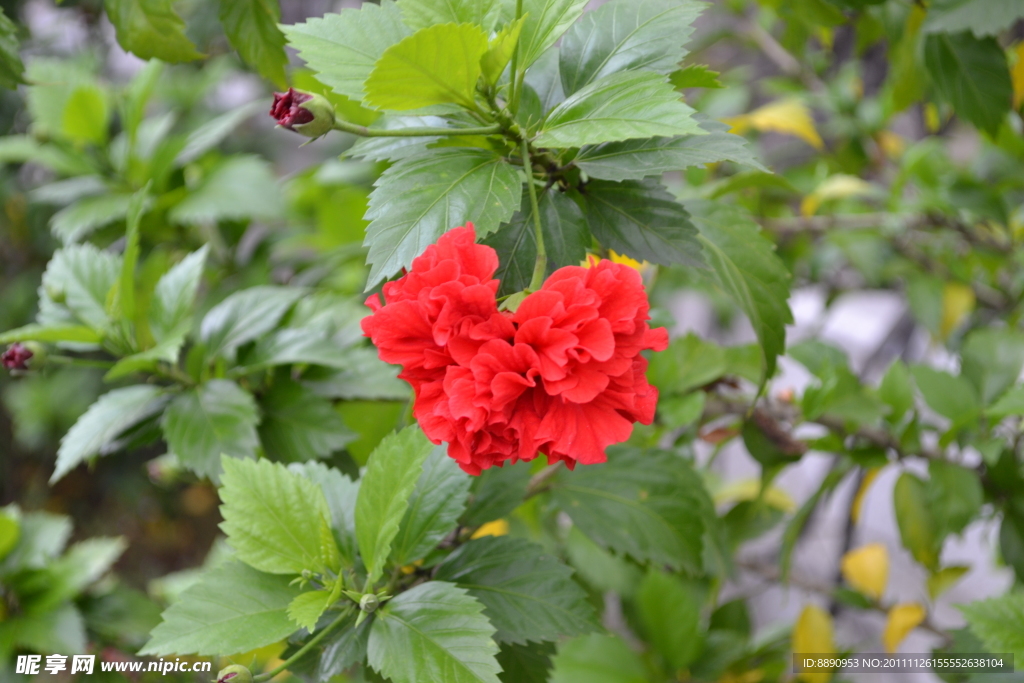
297, 425
251, 27
151, 29
972, 75
241, 187
12, 70
597, 659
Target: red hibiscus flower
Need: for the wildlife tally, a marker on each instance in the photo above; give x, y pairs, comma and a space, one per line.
562, 376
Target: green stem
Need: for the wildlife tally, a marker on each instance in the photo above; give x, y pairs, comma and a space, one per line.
365, 132
514, 87
305, 648
540, 267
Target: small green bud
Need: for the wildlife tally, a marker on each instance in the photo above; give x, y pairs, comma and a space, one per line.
236, 673
369, 603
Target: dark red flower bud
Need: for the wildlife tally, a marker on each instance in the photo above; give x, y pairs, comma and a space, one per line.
16, 357
302, 112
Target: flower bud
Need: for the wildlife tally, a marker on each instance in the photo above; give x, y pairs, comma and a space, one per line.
369, 602
236, 673
16, 357
305, 113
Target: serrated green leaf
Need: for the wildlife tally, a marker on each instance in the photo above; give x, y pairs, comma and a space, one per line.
166, 351
744, 264
297, 425
391, 474
419, 14
44, 333
981, 17
306, 608
83, 275
688, 363
343, 48
495, 493
597, 659
695, 76
546, 21
251, 28
434, 507
246, 315
218, 417
150, 29
241, 187
627, 35
418, 199
530, 663
500, 50
566, 238
341, 494
272, 516
343, 649
443, 632
87, 115
972, 75
527, 594
640, 219
646, 504
103, 422
170, 312
12, 70
78, 220
918, 527
671, 618
233, 608
620, 106
436, 65
998, 622
636, 159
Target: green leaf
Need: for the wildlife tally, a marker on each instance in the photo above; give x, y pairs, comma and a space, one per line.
418, 199
436, 65
527, 594
391, 474
272, 516
495, 493
695, 76
218, 417
125, 295
78, 220
981, 17
386, 148
233, 608
344, 648
150, 29
96, 431
170, 312
87, 115
365, 376
1010, 403
43, 536
241, 187
343, 48
972, 75
948, 395
83, 276
546, 21
897, 390
631, 104
566, 238
213, 132
918, 528
246, 315
955, 496
745, 266
12, 70
688, 363
530, 663
443, 633
146, 360
640, 219
597, 659
635, 159
998, 622
297, 425
434, 507
306, 608
646, 504
626, 35
500, 50
44, 333
670, 617
251, 28
340, 493
992, 360
419, 14
10, 531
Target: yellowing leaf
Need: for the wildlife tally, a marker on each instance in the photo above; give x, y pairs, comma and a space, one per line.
748, 489
891, 144
498, 527
903, 619
957, 304
789, 116
839, 186
867, 569
1017, 76
944, 579
858, 500
932, 120
812, 634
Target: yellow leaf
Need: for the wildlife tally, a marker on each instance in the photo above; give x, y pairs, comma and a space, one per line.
944, 579
812, 634
957, 304
903, 619
891, 144
839, 186
865, 484
867, 569
498, 527
932, 120
748, 489
1017, 76
789, 116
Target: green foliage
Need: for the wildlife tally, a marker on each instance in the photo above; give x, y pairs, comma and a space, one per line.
997, 622
597, 659
151, 30
251, 26
971, 74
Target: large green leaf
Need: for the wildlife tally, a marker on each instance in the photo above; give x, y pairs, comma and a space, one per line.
418, 199
347, 646
170, 313
436, 65
527, 593
641, 219
86, 119
103, 422
918, 527
150, 29
202, 423
545, 23
627, 34
343, 48
744, 264
251, 27
391, 474
496, 492
972, 75
650, 505
341, 493
999, 623
566, 239
420, 14
434, 507
635, 159
621, 106
530, 663
955, 496
597, 659
441, 633
272, 516
297, 425
233, 608
241, 187
12, 70
394, 148
982, 17
671, 618
82, 276
246, 315
688, 363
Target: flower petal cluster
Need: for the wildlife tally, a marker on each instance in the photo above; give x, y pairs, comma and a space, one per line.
16, 357
562, 375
